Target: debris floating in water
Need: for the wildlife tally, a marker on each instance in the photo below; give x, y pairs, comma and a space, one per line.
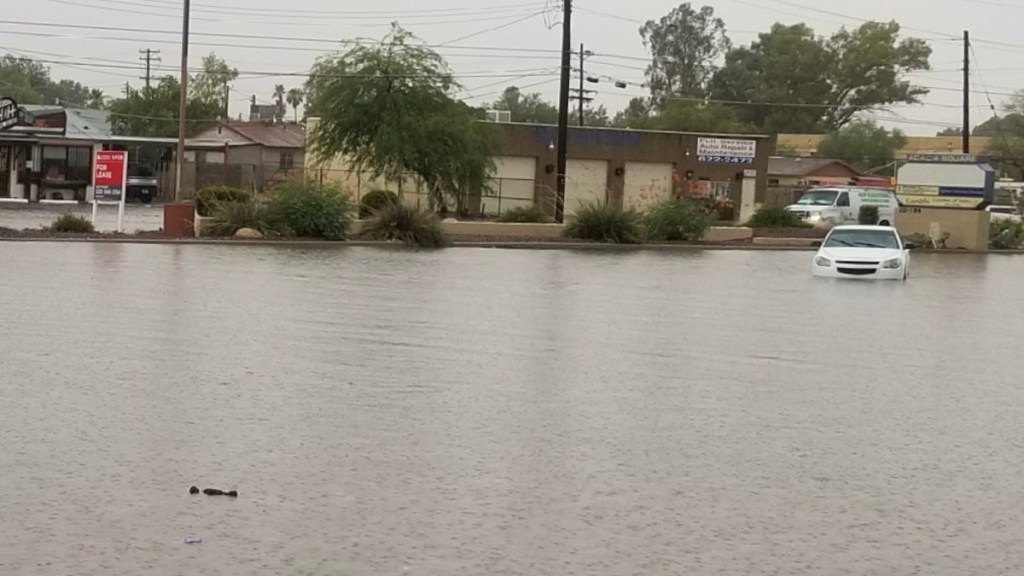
213, 492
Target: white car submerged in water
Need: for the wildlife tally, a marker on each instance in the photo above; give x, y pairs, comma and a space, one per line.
863, 252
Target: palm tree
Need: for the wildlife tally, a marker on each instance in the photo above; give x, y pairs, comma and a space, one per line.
279, 98
97, 100
295, 98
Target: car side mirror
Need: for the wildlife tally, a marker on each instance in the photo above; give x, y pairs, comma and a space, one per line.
816, 244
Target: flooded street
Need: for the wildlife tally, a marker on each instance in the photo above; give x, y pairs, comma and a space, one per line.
142, 217
505, 412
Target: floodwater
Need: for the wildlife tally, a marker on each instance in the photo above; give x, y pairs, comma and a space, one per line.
500, 412
142, 217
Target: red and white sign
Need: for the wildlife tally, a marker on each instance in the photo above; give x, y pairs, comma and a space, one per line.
110, 175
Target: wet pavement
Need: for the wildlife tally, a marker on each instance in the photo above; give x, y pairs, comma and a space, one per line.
503, 412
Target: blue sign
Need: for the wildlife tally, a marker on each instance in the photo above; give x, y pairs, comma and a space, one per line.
951, 191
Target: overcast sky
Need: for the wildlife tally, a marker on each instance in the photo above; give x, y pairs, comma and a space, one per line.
491, 45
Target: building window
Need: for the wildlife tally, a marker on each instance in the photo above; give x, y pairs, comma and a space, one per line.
287, 160
67, 164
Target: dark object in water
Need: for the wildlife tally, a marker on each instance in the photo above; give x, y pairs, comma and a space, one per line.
213, 492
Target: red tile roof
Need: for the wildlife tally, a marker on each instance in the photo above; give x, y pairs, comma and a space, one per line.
270, 135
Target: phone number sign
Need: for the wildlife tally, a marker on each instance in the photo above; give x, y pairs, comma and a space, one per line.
726, 151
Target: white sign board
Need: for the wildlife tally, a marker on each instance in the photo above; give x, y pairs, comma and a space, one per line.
726, 151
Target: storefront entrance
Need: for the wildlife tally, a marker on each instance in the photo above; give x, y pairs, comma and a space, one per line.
12, 171
5, 171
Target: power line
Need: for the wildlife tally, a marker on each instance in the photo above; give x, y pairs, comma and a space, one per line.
221, 9
284, 18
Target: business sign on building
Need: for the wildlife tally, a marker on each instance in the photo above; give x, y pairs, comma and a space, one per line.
110, 182
726, 151
8, 113
960, 181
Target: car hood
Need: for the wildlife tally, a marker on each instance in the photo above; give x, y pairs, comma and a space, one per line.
859, 254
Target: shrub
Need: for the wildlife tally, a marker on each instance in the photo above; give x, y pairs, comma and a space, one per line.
524, 215
603, 222
918, 239
411, 226
72, 224
311, 210
376, 200
674, 221
209, 199
1006, 234
776, 217
868, 215
232, 217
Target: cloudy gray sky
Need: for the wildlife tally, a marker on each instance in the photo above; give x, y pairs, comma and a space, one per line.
493, 45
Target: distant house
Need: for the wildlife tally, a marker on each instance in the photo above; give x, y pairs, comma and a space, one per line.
272, 151
803, 172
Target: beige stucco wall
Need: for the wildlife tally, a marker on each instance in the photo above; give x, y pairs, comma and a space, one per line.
968, 229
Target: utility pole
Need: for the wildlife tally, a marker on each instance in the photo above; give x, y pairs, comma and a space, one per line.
582, 93
563, 110
182, 102
227, 101
967, 94
148, 56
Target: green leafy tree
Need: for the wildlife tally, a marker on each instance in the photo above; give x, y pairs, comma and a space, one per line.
388, 109
529, 108
1007, 134
633, 115
790, 80
29, 82
864, 144
687, 116
592, 117
154, 111
685, 45
212, 82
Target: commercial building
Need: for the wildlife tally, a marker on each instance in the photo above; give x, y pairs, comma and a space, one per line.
630, 168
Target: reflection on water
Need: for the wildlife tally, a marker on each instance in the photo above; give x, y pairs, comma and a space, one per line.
502, 412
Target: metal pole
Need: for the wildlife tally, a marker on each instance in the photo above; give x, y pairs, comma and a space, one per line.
582, 86
182, 103
563, 110
967, 94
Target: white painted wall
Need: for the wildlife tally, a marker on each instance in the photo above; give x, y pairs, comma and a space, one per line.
646, 183
585, 181
513, 184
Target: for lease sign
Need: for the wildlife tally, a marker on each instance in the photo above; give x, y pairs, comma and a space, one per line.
109, 175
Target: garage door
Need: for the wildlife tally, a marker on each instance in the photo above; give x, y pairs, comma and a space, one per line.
512, 185
646, 183
585, 181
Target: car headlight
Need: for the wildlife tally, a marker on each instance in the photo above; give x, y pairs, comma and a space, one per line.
822, 262
892, 263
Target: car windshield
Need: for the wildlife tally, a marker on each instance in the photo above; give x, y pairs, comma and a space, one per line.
862, 239
818, 198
